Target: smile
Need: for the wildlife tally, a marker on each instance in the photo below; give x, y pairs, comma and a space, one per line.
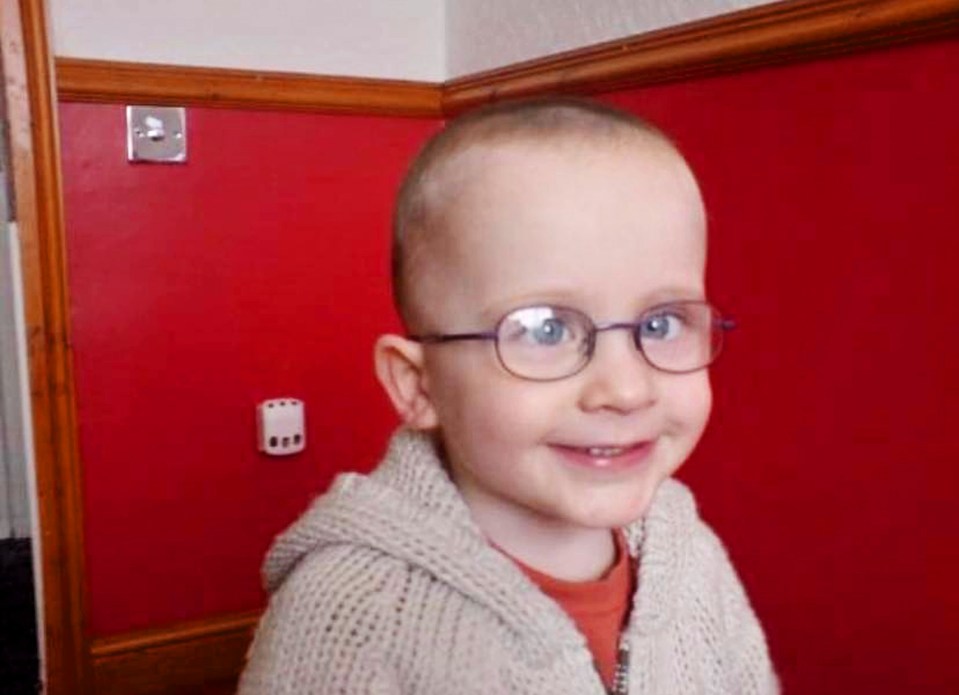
606, 456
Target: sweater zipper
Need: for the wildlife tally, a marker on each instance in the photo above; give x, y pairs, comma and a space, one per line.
621, 674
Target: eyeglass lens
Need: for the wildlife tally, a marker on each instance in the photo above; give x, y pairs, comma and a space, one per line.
547, 342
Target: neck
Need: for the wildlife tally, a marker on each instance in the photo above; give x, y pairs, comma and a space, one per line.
562, 550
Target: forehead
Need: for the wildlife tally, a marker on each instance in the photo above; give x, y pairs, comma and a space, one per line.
585, 223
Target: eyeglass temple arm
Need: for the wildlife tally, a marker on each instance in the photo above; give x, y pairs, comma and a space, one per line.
726, 324
451, 337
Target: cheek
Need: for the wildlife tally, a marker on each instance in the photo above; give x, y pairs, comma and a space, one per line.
481, 404
497, 413
486, 429
691, 405
459, 387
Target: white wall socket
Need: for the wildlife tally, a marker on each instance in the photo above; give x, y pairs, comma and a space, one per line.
280, 426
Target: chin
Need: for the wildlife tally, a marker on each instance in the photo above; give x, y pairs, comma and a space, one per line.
616, 514
628, 517
640, 504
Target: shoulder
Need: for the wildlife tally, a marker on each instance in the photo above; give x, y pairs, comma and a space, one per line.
323, 630
335, 577
346, 616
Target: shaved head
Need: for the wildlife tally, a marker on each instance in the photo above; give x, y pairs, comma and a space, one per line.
446, 163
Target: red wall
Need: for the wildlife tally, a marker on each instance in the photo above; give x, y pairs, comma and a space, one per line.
830, 466
259, 269
255, 270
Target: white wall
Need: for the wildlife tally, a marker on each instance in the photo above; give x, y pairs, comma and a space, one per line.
401, 39
406, 39
486, 34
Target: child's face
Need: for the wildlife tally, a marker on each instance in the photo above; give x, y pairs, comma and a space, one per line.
610, 230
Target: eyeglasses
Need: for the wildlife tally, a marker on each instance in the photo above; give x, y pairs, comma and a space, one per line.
548, 343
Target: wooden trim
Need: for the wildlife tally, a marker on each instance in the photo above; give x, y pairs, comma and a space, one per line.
106, 81
204, 655
34, 155
765, 35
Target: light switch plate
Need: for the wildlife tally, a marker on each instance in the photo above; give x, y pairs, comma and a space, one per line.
156, 134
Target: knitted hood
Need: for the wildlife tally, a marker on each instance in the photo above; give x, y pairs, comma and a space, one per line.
409, 509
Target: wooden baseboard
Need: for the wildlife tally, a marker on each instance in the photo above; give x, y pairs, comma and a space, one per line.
203, 656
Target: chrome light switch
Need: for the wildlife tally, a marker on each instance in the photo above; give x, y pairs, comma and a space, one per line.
156, 134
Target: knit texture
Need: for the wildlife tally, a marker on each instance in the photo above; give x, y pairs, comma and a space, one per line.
385, 585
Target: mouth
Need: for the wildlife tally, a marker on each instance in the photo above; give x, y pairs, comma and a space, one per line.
606, 456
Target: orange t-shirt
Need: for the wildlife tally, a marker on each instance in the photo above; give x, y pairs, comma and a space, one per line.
599, 608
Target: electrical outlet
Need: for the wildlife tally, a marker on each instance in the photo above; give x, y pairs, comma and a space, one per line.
280, 426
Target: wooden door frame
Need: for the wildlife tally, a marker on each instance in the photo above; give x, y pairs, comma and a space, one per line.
38, 210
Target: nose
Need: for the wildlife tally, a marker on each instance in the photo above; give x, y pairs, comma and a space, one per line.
617, 378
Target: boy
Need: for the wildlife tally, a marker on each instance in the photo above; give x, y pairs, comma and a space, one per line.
523, 534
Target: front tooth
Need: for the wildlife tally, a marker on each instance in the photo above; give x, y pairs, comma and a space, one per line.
604, 451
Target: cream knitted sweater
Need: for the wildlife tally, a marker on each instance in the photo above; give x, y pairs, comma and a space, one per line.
386, 586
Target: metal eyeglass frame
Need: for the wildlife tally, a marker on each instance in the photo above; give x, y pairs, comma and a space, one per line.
723, 324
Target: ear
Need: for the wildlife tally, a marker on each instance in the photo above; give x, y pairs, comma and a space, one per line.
399, 367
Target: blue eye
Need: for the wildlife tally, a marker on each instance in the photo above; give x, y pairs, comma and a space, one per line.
541, 327
552, 331
661, 326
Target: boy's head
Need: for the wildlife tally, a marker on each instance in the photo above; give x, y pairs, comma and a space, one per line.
429, 190
568, 212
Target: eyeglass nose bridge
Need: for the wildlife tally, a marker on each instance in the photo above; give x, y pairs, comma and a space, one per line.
632, 326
